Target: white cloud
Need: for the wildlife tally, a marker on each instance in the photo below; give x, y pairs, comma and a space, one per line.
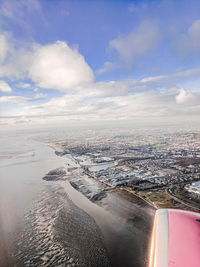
145, 84
5, 87
147, 105
54, 66
153, 79
3, 47
38, 96
103, 89
57, 66
23, 85
189, 43
169, 80
13, 8
19, 11
184, 97
13, 99
137, 43
15, 57
20, 99
107, 67
144, 106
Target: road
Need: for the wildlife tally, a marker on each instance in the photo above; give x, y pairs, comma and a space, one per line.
181, 201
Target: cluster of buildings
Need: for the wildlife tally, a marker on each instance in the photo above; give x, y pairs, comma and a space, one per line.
141, 161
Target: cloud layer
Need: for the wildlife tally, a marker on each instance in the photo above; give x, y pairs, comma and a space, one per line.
189, 43
20, 99
29, 69
137, 43
4, 87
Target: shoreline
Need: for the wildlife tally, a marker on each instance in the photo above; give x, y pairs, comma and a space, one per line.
153, 204
124, 219
111, 187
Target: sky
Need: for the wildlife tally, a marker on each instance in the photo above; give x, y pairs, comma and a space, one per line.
93, 61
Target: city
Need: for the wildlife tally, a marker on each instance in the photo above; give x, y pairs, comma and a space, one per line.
161, 167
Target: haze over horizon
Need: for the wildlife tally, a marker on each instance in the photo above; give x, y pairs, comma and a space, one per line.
95, 61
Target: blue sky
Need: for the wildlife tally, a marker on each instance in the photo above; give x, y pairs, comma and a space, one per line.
99, 60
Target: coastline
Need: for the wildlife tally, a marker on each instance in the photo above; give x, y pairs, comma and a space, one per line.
139, 195
111, 187
125, 219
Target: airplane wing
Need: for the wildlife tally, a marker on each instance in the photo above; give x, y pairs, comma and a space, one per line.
175, 239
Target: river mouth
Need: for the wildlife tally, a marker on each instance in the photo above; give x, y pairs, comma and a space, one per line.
58, 233
58, 225
64, 228
124, 221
